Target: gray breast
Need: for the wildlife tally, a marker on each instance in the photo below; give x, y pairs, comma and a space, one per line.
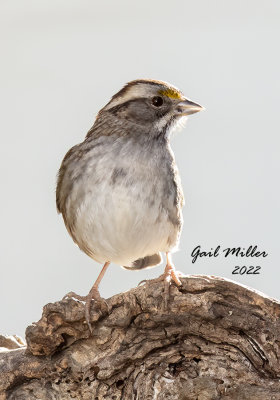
146, 172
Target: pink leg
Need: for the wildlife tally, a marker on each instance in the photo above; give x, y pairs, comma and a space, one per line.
170, 274
92, 295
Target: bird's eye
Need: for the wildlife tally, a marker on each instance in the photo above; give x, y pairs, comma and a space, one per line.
157, 101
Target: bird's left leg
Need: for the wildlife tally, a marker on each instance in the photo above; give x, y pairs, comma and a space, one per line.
92, 295
170, 274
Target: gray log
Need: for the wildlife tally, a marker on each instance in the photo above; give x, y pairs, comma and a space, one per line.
217, 340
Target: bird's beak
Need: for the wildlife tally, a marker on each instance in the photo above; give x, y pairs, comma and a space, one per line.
188, 107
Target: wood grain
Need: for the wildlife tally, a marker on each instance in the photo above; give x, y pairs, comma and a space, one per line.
217, 340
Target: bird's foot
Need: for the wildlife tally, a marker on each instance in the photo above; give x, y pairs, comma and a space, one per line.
93, 294
98, 301
170, 274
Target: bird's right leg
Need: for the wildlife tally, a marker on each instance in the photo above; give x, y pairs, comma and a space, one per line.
92, 295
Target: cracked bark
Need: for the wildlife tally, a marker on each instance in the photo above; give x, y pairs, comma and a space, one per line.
217, 340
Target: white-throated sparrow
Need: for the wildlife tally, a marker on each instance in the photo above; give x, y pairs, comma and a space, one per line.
119, 190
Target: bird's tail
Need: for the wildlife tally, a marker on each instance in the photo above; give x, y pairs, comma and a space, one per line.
145, 262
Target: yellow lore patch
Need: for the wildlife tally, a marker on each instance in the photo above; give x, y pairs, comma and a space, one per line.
172, 93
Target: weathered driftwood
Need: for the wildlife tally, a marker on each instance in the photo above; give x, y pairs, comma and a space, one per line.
218, 340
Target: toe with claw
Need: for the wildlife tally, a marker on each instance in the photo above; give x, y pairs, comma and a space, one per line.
93, 295
170, 274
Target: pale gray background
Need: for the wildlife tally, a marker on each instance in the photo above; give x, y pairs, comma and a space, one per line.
60, 63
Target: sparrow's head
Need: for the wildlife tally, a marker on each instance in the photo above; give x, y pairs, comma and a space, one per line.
155, 105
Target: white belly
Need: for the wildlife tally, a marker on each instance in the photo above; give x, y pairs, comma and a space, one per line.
121, 208
115, 225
